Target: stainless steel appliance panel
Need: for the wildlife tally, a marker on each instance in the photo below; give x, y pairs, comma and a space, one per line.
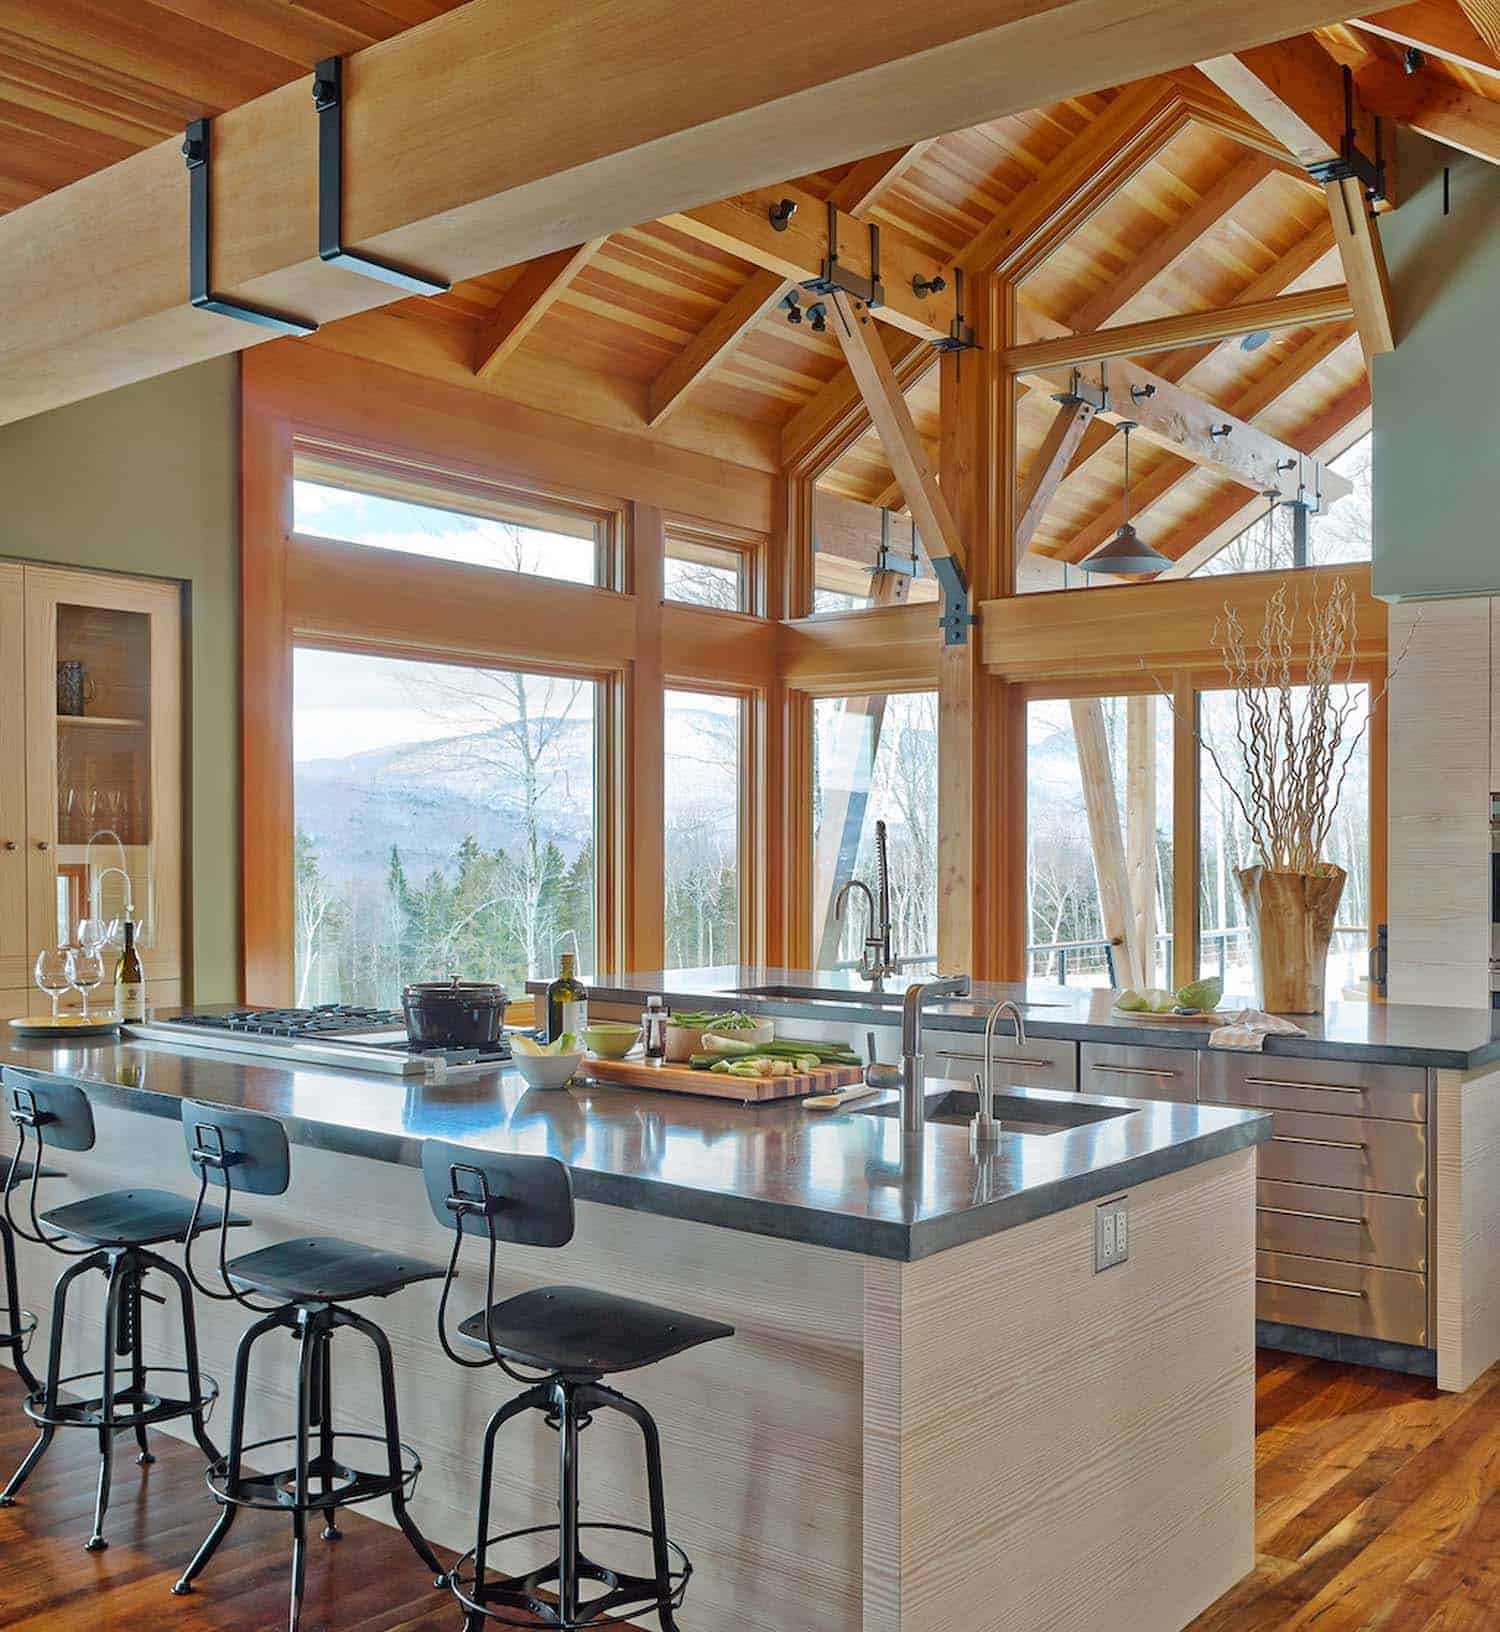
1338, 1087
1139, 1072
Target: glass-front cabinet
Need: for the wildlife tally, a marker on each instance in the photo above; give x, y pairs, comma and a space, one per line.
91, 804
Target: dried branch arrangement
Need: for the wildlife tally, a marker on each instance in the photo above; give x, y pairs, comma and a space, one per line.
1295, 738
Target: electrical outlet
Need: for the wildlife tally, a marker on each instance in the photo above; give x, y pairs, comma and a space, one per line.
1111, 1233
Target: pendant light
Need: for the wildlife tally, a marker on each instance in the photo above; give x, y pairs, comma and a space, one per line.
1126, 555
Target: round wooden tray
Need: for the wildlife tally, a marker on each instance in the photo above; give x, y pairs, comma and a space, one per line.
66, 1025
1207, 1017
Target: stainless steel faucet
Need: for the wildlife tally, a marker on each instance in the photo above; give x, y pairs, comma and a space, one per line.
912, 1072
985, 1128
875, 961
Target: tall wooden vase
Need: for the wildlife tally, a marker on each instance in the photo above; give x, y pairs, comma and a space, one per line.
1291, 925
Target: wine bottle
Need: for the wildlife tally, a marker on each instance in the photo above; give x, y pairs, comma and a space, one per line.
567, 1001
130, 980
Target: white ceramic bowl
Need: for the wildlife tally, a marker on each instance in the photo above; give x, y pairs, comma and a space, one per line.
547, 1070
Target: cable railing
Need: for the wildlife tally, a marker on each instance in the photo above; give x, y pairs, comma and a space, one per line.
1059, 959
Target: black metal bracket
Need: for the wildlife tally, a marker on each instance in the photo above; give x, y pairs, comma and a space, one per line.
960, 335
1351, 164
1081, 391
956, 618
836, 278
197, 149
907, 565
328, 99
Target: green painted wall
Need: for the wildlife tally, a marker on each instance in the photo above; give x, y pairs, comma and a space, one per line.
1437, 396
146, 480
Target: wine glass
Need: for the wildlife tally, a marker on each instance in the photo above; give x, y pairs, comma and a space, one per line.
52, 975
85, 970
92, 933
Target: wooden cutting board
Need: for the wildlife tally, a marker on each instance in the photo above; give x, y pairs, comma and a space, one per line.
680, 1079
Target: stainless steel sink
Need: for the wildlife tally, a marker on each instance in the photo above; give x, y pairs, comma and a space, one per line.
1017, 1113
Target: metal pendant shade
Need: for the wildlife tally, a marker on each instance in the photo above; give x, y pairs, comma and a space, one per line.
1126, 554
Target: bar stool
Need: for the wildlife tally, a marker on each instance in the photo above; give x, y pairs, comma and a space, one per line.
116, 1231
17, 1325
572, 1337
311, 1281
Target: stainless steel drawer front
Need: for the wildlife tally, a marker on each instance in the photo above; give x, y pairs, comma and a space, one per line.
1346, 1153
1337, 1297
1139, 1072
1337, 1087
956, 1055
1355, 1226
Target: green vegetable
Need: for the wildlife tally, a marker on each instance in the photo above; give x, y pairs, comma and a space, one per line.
1131, 1001
566, 1044
715, 1044
793, 1048
1202, 995
714, 1020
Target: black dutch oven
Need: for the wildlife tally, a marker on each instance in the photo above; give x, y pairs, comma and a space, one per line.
454, 1013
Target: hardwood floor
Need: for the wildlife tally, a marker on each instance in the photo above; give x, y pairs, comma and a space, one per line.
1378, 1504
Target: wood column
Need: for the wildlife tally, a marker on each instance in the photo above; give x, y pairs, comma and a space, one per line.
1103, 807
642, 854
1140, 827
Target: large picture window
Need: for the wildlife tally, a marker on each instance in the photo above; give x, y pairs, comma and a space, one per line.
875, 759
704, 732
445, 823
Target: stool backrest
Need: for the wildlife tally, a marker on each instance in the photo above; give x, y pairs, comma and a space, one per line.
57, 1112
248, 1147
523, 1199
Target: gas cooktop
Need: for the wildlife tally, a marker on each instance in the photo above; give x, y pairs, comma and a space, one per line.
337, 1034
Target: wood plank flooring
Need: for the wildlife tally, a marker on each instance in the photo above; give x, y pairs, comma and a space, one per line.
1378, 1503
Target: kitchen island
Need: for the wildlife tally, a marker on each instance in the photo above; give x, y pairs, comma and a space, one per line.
1378, 1214
937, 1415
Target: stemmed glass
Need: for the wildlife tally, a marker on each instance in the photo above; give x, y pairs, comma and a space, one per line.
85, 970
52, 975
92, 933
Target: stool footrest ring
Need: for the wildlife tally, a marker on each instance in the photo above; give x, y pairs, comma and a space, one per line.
626, 1596
277, 1492
141, 1406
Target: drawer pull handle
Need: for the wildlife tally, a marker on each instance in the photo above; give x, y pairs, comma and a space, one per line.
1327, 1144
1310, 1087
1000, 1059
1322, 1218
1135, 1070
1307, 1286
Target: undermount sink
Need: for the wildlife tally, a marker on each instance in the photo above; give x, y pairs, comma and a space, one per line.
1016, 1113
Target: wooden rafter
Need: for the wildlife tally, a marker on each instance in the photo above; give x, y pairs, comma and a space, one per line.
528, 300
1438, 28
1051, 465
1485, 16
1166, 333
1363, 256
871, 368
1170, 246
1439, 109
764, 291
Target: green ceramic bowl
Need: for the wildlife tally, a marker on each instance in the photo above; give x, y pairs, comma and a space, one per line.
611, 1039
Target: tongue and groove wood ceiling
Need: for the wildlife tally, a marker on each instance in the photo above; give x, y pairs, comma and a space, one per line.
1216, 215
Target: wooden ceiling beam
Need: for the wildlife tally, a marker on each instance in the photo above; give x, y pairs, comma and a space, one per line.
1485, 16
829, 424
854, 327
528, 300
1439, 109
1048, 469
1436, 27
1328, 305
764, 291
1363, 255
1169, 247
571, 132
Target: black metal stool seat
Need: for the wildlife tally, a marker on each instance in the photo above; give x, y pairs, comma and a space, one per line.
17, 1325
133, 1218
311, 1280
327, 1270
575, 1336
116, 1231
575, 1331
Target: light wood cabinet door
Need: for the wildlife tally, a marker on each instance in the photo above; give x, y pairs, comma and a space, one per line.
14, 944
103, 754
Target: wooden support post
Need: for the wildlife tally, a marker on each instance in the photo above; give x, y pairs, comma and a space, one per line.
642, 853
1184, 830
1103, 808
1140, 826
1053, 461
1360, 250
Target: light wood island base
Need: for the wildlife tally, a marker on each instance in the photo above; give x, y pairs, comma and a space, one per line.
991, 1439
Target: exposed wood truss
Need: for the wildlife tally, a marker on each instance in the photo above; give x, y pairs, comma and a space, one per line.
1051, 464
1438, 108
531, 297
1438, 28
